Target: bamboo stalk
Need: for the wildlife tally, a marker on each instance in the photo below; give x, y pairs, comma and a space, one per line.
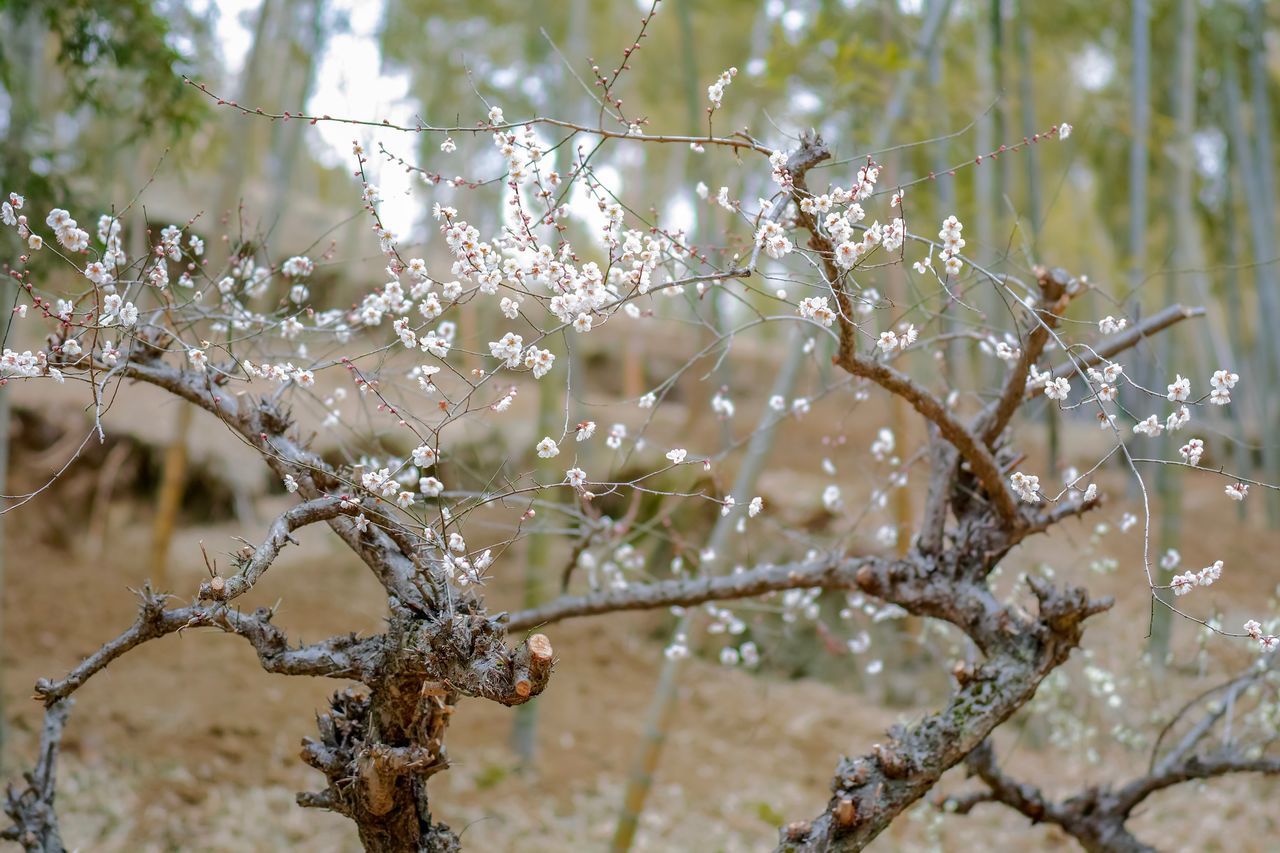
1167, 489
169, 497
641, 777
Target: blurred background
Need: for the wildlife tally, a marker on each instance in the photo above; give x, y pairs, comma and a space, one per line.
1164, 192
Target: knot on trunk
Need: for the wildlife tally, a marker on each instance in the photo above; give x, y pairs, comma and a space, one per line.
469, 652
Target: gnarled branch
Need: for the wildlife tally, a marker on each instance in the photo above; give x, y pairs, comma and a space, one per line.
265, 429
319, 509
35, 823
829, 573
337, 657
814, 150
869, 792
1097, 815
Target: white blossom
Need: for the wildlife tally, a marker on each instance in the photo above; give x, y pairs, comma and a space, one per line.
1180, 390
1057, 389
1149, 427
1192, 451
1026, 486
1109, 325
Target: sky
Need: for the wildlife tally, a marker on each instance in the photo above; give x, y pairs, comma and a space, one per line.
351, 83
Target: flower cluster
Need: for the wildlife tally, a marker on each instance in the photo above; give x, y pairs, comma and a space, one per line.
1192, 451
1237, 491
1109, 325
1267, 642
890, 340
716, 90
773, 238
66, 230
1222, 381
1026, 486
952, 243
1185, 582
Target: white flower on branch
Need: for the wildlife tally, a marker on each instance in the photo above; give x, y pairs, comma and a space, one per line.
1057, 389
883, 445
815, 308
299, 266
1187, 581
773, 240
1026, 486
715, 92
1209, 574
1150, 427
1192, 451
1183, 583
508, 349
1222, 381
1109, 325
1178, 419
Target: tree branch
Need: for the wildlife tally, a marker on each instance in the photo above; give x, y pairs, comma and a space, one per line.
1097, 815
1157, 322
869, 792
35, 822
829, 573
1055, 293
1190, 768
264, 428
278, 535
812, 151
338, 657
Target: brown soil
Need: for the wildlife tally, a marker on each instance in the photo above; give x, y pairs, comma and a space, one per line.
185, 744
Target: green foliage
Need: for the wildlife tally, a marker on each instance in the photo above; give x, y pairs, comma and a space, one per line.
129, 37
96, 61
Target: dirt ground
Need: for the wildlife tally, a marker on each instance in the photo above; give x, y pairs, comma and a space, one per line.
185, 744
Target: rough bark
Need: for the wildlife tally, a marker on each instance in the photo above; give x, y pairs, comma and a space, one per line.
376, 747
35, 824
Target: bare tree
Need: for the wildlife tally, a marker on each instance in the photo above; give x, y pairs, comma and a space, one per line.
1097, 815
